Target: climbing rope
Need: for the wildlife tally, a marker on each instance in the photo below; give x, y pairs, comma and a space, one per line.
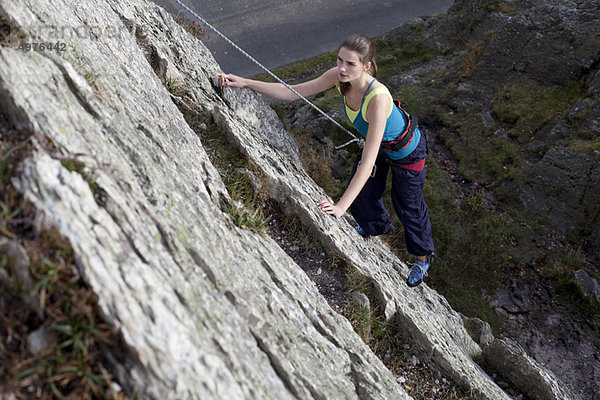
356, 139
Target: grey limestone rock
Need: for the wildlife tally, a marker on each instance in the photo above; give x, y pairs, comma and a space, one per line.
524, 372
480, 330
589, 285
207, 309
41, 340
15, 260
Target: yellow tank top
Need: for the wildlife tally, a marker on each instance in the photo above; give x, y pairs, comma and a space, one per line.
379, 90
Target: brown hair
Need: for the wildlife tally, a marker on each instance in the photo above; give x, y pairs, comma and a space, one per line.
366, 52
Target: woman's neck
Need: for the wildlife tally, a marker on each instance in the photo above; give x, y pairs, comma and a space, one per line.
362, 83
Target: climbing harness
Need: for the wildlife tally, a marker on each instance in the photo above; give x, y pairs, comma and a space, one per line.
406, 136
356, 139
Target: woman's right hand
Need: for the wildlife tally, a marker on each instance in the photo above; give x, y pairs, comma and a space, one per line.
230, 80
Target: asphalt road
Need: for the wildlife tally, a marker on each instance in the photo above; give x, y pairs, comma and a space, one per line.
280, 32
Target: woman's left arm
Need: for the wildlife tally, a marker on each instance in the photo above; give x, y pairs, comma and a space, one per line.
377, 113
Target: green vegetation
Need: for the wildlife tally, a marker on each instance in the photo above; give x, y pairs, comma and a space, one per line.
252, 220
248, 209
174, 85
11, 203
473, 245
559, 266
527, 107
317, 159
501, 6
473, 53
483, 153
585, 142
74, 366
367, 322
395, 58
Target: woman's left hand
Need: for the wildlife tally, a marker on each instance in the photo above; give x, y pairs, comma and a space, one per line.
330, 208
230, 80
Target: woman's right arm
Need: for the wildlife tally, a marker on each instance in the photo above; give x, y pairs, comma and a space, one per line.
276, 90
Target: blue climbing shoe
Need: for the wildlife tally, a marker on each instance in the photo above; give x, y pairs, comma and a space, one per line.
360, 231
417, 273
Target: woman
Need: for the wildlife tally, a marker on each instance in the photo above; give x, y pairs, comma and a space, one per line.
368, 104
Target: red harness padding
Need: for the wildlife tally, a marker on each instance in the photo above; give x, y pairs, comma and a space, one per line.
418, 166
406, 136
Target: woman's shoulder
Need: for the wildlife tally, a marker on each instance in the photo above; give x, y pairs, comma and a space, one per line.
377, 89
378, 96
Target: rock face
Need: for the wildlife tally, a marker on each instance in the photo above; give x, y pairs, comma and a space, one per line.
589, 286
206, 309
526, 374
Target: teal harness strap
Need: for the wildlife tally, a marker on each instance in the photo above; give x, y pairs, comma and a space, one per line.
365, 93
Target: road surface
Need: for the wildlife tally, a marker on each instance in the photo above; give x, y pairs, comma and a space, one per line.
280, 32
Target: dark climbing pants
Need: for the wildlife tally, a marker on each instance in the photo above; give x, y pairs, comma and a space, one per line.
407, 198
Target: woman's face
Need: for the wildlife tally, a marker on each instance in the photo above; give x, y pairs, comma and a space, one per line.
350, 67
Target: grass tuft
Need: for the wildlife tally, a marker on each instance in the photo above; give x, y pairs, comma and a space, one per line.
193, 27
255, 220
527, 107
174, 85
